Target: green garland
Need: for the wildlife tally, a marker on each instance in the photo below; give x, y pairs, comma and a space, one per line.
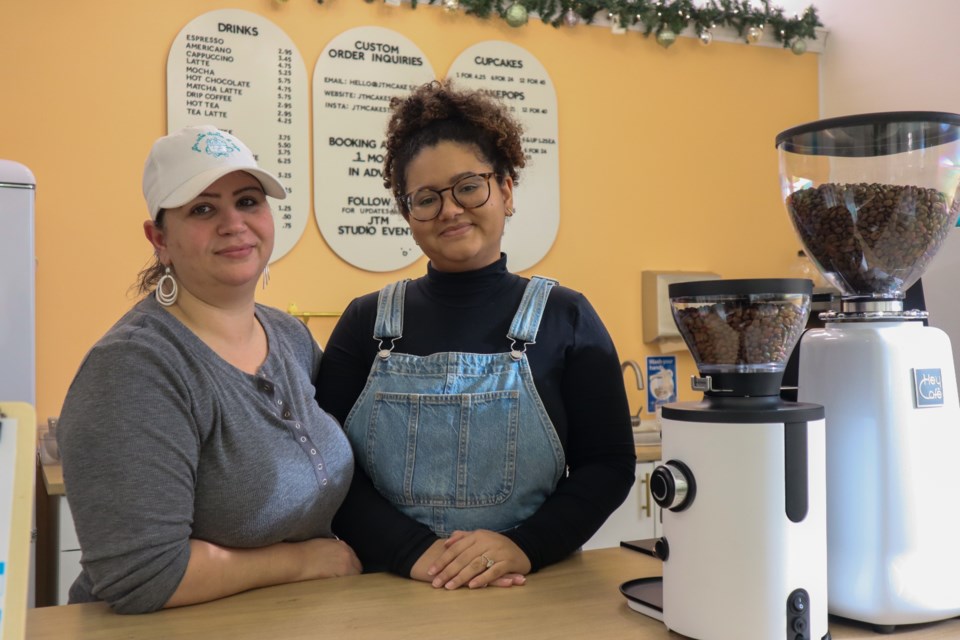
662, 17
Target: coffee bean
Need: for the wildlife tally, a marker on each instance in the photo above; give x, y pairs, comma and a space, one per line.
739, 332
872, 238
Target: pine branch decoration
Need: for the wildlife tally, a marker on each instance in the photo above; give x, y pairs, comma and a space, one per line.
658, 16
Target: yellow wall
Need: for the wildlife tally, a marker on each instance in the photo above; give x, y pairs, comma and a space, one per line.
667, 157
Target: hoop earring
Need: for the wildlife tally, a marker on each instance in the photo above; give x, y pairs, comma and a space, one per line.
167, 298
266, 277
511, 211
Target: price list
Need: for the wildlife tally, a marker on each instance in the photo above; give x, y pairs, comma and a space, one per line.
514, 76
239, 72
353, 82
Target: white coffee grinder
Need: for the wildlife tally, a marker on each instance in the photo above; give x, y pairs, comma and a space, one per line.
872, 198
742, 487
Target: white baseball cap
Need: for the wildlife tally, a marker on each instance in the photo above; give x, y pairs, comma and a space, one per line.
181, 165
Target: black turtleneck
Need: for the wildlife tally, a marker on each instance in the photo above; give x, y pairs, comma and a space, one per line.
577, 374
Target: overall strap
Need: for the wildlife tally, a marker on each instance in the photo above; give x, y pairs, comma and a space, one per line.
526, 322
389, 323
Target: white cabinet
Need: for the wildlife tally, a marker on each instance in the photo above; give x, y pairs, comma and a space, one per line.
68, 568
68, 551
637, 518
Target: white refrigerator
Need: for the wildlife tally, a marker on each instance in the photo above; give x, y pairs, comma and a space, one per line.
17, 284
18, 376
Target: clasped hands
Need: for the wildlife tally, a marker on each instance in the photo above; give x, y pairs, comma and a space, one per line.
476, 559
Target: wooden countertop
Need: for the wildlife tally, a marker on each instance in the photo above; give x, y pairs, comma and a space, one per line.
577, 598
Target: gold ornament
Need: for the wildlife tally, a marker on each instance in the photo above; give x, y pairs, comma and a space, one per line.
754, 34
666, 38
705, 37
516, 15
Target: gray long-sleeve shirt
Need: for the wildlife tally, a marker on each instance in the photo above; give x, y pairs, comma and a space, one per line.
162, 441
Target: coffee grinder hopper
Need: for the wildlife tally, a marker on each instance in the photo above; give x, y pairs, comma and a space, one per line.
741, 333
872, 198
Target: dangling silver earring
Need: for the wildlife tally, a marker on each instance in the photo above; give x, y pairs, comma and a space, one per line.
266, 277
166, 298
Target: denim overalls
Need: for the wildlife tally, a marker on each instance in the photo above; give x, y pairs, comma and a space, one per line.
457, 440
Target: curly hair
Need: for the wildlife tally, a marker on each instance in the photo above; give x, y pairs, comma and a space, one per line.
437, 112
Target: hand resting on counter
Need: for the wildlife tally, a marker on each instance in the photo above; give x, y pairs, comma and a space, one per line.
476, 559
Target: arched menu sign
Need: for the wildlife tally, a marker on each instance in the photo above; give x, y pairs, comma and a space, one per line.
512, 74
239, 72
355, 78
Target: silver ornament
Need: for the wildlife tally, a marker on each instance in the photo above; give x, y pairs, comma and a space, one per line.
705, 37
516, 15
799, 46
666, 38
571, 18
754, 34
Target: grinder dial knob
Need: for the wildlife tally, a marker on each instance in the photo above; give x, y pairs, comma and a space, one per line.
672, 486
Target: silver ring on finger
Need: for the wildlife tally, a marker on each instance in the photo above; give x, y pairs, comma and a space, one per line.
486, 561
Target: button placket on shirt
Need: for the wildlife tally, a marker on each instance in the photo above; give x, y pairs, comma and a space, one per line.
298, 432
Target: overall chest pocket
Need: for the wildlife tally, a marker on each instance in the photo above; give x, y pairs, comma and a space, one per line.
456, 450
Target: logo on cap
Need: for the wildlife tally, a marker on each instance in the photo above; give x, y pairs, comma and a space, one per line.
215, 144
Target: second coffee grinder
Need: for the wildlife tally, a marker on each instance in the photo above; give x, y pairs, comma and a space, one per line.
742, 487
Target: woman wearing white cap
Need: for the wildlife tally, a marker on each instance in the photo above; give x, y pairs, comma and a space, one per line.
196, 461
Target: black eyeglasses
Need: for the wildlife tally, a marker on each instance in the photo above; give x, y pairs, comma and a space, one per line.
469, 192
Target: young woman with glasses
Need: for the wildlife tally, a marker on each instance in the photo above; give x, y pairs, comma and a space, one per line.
486, 411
